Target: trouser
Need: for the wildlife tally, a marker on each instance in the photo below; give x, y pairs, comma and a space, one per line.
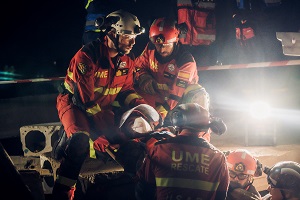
77, 127
68, 172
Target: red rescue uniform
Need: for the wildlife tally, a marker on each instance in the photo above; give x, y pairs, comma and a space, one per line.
172, 74
183, 167
94, 82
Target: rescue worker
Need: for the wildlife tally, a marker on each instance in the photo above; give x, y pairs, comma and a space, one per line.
284, 181
96, 11
99, 74
184, 166
164, 69
242, 168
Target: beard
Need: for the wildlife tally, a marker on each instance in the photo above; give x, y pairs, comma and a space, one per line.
234, 185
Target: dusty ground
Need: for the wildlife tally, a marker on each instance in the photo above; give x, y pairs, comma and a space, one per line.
287, 147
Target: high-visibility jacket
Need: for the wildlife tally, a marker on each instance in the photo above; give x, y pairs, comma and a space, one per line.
200, 20
184, 167
172, 76
97, 83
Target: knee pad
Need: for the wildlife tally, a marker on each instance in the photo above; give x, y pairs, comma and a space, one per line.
78, 147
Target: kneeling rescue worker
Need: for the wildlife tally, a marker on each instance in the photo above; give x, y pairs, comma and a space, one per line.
99, 74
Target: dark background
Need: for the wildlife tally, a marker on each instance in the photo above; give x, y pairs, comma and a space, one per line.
40, 37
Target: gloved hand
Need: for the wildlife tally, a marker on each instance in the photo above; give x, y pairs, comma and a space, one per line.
101, 143
147, 84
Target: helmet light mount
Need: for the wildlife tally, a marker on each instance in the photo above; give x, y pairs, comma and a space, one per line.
164, 31
194, 117
122, 21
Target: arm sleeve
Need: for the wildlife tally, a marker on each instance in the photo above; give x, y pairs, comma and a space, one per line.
141, 63
224, 180
146, 187
81, 71
187, 74
128, 96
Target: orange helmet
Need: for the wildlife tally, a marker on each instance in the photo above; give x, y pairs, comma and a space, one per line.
241, 161
163, 31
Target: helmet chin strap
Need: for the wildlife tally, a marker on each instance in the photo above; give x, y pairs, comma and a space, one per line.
116, 43
283, 195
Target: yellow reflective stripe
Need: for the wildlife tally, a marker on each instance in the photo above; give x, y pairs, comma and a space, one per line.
160, 109
162, 86
130, 97
70, 74
186, 183
192, 87
116, 104
112, 91
94, 110
108, 91
92, 150
100, 89
88, 4
68, 87
66, 181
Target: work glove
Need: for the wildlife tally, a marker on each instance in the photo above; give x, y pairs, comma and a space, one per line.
147, 84
156, 136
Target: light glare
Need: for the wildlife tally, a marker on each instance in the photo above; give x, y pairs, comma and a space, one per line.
260, 110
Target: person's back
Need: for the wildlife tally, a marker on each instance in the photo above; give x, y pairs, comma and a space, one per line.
185, 166
193, 171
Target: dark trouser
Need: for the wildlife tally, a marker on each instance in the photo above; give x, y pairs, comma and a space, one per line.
76, 153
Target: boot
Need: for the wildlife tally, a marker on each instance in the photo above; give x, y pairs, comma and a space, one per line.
63, 192
59, 147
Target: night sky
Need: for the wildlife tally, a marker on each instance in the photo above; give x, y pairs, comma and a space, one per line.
36, 34
40, 37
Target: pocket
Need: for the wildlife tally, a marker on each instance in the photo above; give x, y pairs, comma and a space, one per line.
200, 19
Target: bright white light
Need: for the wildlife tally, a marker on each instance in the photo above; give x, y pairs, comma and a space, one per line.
260, 110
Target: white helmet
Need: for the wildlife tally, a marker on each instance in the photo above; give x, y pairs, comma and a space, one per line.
141, 119
124, 23
195, 93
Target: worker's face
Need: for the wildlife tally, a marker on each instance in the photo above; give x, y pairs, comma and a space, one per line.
238, 180
164, 49
126, 43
